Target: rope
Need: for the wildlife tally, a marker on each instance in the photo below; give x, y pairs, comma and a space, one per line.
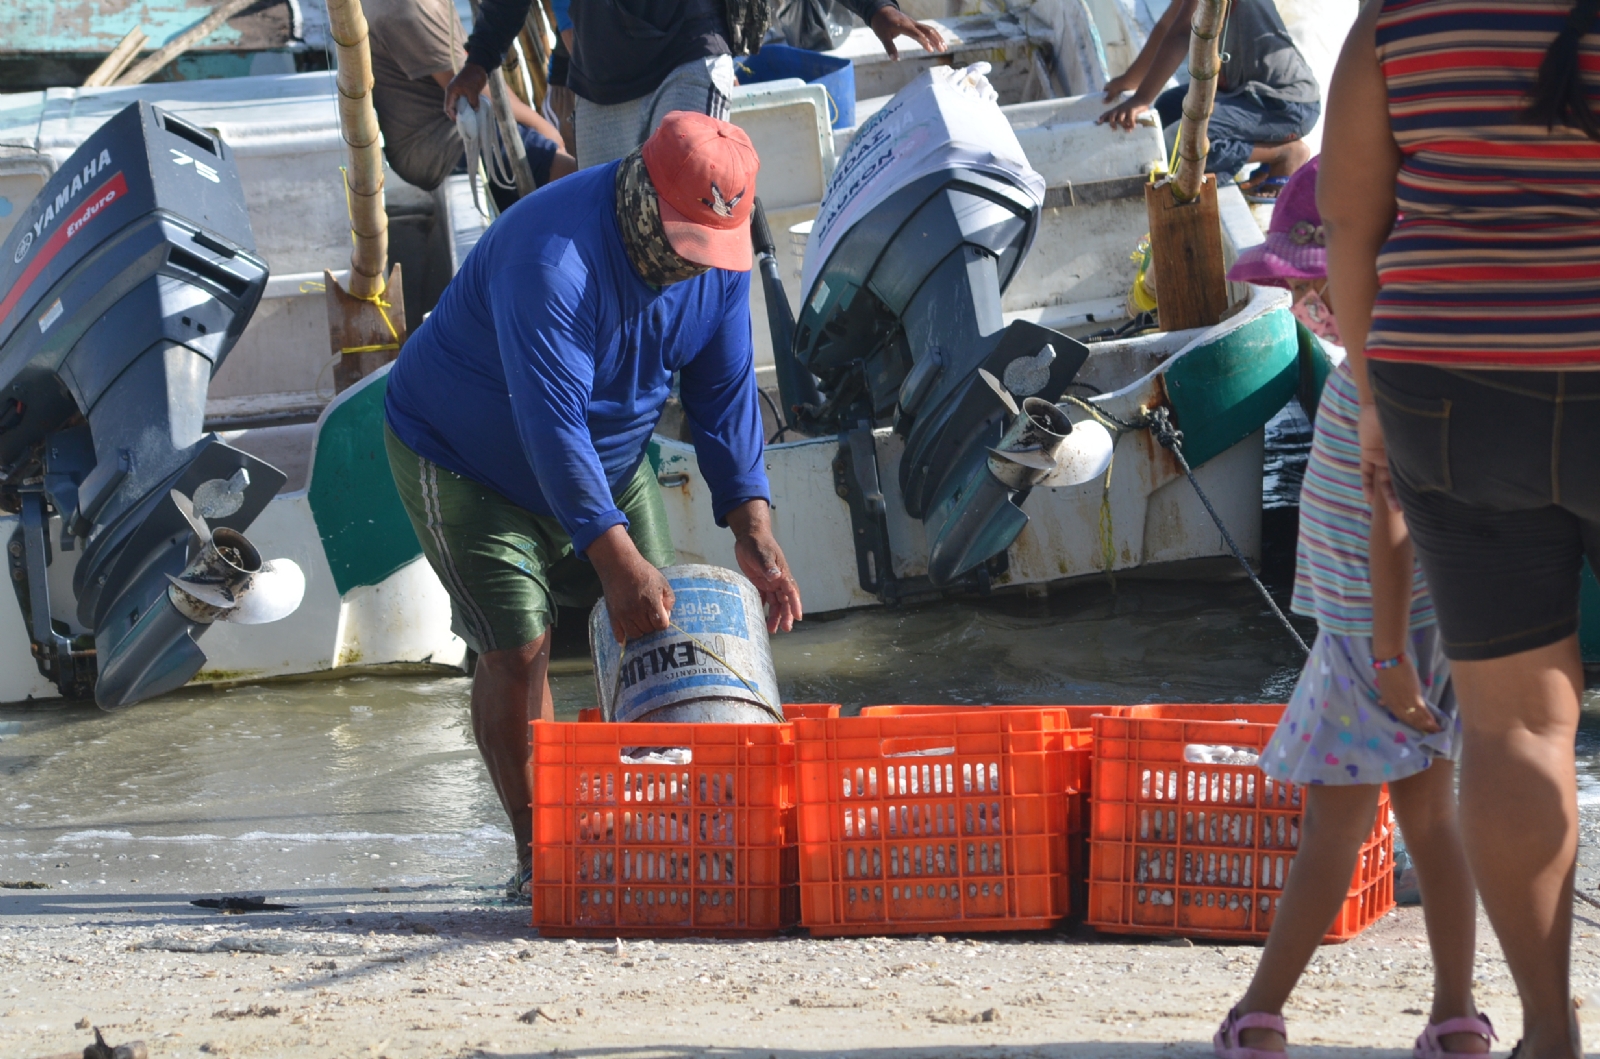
1171, 439
724, 663
487, 154
1159, 422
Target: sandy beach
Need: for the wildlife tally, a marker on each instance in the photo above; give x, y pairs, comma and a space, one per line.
454, 972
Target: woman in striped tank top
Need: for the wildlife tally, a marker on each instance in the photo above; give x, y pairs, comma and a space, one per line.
1460, 191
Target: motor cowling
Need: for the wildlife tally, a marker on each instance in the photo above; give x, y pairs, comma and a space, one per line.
130, 278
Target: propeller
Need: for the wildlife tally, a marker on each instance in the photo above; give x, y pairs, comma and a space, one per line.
227, 579
1083, 457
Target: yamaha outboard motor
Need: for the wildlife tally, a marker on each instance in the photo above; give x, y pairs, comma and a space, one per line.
127, 282
926, 221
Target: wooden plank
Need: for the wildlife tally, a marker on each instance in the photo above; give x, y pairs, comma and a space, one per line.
113, 65
152, 64
1186, 251
364, 335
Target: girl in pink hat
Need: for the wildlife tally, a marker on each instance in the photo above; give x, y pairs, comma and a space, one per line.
1373, 705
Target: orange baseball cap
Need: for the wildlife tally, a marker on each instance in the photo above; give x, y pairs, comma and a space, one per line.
704, 171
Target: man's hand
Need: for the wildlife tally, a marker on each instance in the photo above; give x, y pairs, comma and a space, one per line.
469, 84
1400, 692
763, 563
638, 598
1124, 115
1118, 85
890, 22
1376, 484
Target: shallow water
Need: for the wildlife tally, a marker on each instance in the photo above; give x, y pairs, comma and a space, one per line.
375, 781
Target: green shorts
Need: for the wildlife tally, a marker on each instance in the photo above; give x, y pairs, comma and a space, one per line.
507, 569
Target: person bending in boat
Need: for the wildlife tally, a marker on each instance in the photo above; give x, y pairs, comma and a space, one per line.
518, 415
634, 61
416, 47
1267, 96
1374, 703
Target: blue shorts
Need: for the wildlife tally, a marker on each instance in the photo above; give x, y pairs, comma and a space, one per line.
1241, 122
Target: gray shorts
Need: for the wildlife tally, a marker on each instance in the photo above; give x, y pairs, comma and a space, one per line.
607, 132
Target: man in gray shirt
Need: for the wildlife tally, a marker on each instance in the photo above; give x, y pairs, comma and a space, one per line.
417, 46
1267, 97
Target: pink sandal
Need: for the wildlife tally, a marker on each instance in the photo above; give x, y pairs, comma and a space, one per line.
1430, 1047
1226, 1043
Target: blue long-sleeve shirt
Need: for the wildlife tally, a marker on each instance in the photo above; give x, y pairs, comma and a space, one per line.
544, 368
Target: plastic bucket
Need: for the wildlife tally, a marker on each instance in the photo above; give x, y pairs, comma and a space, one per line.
713, 664
774, 62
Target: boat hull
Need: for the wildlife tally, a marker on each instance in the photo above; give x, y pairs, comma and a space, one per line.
1222, 386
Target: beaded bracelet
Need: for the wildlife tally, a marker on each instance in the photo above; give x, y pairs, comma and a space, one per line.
1388, 663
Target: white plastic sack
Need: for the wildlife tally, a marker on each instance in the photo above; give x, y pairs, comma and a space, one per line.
944, 119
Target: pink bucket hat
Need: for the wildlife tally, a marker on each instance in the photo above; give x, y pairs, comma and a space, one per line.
1294, 247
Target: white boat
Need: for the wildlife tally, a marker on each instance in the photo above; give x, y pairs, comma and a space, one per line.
372, 602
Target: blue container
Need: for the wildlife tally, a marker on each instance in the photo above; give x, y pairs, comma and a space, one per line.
775, 62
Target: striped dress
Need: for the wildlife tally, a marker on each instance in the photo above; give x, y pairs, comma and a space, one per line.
1331, 581
1495, 261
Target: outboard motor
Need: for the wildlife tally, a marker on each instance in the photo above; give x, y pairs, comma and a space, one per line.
126, 283
926, 221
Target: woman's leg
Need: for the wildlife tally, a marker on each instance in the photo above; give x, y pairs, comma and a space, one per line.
1336, 821
1519, 814
1426, 807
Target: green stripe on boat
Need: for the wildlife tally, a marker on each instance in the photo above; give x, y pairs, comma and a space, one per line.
365, 532
1226, 390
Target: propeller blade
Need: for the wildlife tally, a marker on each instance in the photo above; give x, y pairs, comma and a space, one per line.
1083, 457
1031, 459
1000, 391
186, 509
274, 593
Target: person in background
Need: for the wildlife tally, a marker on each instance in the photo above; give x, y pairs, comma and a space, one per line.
1373, 704
518, 414
416, 48
1461, 194
634, 61
559, 102
1267, 96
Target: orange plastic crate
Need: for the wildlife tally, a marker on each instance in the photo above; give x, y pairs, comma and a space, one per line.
704, 848
1203, 850
917, 820
1078, 717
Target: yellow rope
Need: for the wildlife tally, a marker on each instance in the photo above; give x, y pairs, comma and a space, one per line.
376, 298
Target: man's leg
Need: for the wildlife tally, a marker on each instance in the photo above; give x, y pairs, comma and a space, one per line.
607, 132
1244, 130
492, 558
509, 689
704, 86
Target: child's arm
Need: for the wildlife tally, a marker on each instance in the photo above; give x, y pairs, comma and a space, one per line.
1389, 558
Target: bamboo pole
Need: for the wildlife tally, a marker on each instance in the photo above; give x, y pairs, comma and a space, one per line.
123, 54
1205, 64
175, 47
358, 123
1185, 220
